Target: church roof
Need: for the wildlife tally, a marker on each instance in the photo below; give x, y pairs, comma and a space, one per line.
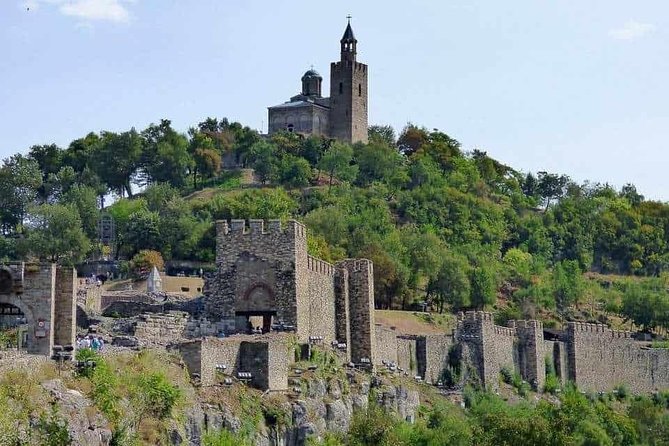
297, 104
348, 34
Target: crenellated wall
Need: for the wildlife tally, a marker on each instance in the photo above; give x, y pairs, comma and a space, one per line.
321, 285
601, 359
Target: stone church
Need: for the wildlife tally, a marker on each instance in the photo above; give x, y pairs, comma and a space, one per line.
343, 115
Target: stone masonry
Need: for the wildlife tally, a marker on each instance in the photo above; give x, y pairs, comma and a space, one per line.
46, 296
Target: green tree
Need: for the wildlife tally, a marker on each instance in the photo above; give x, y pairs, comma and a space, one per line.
483, 289
382, 134
116, 159
165, 157
265, 161
85, 200
294, 171
54, 233
20, 180
451, 283
337, 163
567, 283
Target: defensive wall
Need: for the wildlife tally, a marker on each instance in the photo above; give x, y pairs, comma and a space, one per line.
599, 359
45, 294
265, 358
263, 270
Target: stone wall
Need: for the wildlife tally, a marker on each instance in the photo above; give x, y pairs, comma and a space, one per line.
265, 357
260, 264
65, 306
530, 355
162, 329
556, 351
436, 355
601, 359
386, 344
487, 347
406, 354
321, 279
342, 310
361, 308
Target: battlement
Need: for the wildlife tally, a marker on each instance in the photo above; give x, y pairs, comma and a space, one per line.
357, 66
475, 316
523, 324
320, 266
504, 331
258, 227
355, 265
597, 330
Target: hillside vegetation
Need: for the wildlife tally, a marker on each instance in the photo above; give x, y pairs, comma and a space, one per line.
455, 229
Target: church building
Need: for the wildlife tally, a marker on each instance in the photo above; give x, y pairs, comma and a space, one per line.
343, 115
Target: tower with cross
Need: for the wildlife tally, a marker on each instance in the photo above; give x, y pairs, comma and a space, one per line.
343, 115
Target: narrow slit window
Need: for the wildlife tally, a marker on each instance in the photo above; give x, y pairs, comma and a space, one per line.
341, 88
359, 89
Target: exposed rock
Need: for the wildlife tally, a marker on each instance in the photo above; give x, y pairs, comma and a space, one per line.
85, 424
125, 341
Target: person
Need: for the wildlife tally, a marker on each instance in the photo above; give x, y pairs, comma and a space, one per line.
101, 343
94, 344
86, 342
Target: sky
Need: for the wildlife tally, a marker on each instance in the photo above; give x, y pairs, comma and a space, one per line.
567, 86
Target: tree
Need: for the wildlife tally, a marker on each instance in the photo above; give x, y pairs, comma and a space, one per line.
84, 200
337, 163
20, 180
142, 232
567, 283
483, 289
206, 159
382, 134
265, 161
165, 157
551, 186
377, 161
451, 283
117, 158
411, 139
54, 233
294, 171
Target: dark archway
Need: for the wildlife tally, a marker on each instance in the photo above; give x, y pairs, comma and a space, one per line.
257, 301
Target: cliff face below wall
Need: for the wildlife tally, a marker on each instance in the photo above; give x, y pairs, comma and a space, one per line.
323, 406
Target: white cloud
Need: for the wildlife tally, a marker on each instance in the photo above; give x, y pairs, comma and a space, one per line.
111, 10
88, 10
632, 30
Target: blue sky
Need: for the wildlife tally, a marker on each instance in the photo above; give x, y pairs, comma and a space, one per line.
575, 87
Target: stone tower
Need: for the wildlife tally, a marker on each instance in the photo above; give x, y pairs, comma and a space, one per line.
348, 93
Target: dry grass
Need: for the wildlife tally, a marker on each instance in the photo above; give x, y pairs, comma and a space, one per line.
410, 322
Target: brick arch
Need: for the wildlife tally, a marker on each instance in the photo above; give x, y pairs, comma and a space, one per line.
258, 297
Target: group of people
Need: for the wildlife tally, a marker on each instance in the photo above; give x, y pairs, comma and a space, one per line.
89, 341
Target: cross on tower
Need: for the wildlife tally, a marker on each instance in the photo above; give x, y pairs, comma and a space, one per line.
349, 18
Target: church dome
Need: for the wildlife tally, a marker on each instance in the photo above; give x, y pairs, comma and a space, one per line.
311, 74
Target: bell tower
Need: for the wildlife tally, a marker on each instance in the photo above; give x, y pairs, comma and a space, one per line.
348, 92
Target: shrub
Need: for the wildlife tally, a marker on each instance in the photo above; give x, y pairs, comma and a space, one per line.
224, 438
157, 395
552, 384
142, 263
52, 429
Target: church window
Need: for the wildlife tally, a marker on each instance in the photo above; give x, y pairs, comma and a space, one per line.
341, 88
359, 89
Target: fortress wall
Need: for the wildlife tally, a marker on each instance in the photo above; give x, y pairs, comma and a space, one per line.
485, 346
321, 299
436, 355
270, 255
556, 351
265, 358
406, 354
601, 359
65, 306
342, 312
530, 355
361, 308
386, 344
